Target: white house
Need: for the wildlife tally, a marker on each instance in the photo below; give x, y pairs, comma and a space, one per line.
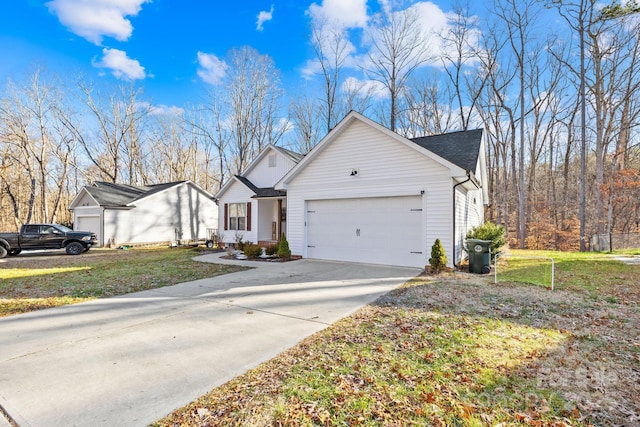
250, 208
366, 194
124, 214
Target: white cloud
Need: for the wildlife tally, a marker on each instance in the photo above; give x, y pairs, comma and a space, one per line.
96, 19
341, 13
166, 110
159, 109
311, 69
263, 17
430, 21
372, 88
212, 69
120, 65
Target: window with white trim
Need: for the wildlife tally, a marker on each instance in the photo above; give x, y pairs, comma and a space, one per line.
272, 160
237, 216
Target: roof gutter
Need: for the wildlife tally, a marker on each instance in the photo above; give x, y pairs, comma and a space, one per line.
471, 178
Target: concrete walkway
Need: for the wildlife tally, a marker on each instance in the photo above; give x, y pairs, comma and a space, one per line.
627, 259
130, 360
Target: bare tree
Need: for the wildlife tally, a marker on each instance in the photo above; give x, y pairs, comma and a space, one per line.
303, 112
460, 55
519, 20
204, 123
332, 47
499, 119
428, 108
36, 150
399, 46
357, 96
579, 16
114, 147
253, 93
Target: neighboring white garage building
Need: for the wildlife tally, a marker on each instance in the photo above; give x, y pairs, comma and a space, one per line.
124, 214
366, 194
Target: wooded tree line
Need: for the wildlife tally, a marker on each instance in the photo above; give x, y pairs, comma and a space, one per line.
559, 103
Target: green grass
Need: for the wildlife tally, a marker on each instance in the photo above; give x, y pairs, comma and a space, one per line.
448, 351
414, 367
590, 272
36, 284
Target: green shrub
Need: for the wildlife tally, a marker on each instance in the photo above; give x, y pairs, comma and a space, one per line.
271, 249
239, 245
489, 231
251, 250
438, 260
283, 248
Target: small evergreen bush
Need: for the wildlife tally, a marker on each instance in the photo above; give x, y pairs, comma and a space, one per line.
438, 260
251, 250
271, 249
490, 231
283, 248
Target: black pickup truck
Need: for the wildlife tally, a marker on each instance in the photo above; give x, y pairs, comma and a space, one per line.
46, 236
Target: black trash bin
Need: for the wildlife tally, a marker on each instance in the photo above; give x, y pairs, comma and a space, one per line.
479, 255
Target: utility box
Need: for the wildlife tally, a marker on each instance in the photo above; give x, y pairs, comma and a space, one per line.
479, 255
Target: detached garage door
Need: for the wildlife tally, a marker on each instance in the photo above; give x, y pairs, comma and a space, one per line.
89, 223
381, 230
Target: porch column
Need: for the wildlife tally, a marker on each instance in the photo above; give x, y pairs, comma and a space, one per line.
279, 226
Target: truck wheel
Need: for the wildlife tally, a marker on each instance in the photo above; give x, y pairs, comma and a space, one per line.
74, 248
3, 252
14, 252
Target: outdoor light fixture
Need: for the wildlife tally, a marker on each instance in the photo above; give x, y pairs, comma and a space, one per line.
354, 172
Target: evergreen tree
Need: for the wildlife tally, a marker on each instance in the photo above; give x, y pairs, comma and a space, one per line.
283, 248
438, 260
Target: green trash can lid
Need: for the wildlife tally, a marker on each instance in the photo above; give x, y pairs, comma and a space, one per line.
478, 246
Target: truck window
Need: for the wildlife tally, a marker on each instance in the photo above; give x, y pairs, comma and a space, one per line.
31, 229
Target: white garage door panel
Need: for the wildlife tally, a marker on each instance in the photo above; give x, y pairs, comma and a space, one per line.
384, 230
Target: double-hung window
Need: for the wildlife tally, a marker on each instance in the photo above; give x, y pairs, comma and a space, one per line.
237, 216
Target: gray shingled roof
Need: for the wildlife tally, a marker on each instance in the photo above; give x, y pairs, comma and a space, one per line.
120, 195
261, 192
296, 157
460, 148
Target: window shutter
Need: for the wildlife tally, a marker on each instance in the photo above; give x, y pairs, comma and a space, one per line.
249, 216
226, 216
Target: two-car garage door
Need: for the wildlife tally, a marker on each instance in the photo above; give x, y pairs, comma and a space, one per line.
380, 230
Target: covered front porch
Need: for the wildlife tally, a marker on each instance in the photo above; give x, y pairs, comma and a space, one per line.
272, 217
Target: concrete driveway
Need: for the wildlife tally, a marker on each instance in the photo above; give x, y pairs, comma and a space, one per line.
130, 360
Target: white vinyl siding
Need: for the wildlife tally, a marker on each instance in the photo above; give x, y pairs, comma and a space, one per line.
386, 168
237, 193
469, 214
180, 212
262, 175
266, 219
85, 201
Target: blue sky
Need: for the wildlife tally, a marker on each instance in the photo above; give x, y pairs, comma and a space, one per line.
174, 49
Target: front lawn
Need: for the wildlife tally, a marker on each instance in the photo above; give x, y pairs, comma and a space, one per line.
457, 350
30, 283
